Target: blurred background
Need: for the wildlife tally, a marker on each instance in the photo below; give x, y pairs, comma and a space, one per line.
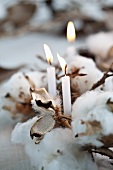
25, 25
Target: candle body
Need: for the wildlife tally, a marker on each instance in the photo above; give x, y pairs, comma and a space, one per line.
51, 81
66, 95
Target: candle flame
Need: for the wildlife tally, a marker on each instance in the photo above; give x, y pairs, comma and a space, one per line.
48, 53
62, 62
71, 34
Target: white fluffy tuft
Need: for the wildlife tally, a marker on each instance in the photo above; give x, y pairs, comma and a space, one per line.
83, 83
57, 150
88, 108
100, 43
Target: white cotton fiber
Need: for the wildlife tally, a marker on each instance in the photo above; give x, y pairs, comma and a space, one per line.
21, 133
19, 84
57, 150
100, 43
108, 85
86, 66
92, 106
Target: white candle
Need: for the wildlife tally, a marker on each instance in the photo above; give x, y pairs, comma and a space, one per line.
66, 92
71, 35
51, 81
66, 95
51, 76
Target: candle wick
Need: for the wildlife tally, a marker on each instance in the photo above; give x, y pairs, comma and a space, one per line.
65, 69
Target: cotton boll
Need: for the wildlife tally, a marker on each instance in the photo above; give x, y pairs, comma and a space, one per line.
80, 61
77, 110
100, 43
16, 95
94, 119
93, 10
18, 85
83, 83
65, 162
86, 66
21, 132
89, 101
38, 78
50, 150
106, 119
62, 153
57, 150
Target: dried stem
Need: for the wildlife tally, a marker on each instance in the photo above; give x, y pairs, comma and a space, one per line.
102, 80
72, 75
42, 59
65, 123
64, 116
63, 120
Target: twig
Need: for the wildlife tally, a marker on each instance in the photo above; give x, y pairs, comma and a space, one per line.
45, 61
41, 58
72, 75
63, 116
63, 120
102, 80
65, 123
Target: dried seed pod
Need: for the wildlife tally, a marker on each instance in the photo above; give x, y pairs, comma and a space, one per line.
43, 125
41, 101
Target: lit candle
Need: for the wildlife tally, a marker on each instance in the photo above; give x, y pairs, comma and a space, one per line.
71, 35
50, 72
65, 87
